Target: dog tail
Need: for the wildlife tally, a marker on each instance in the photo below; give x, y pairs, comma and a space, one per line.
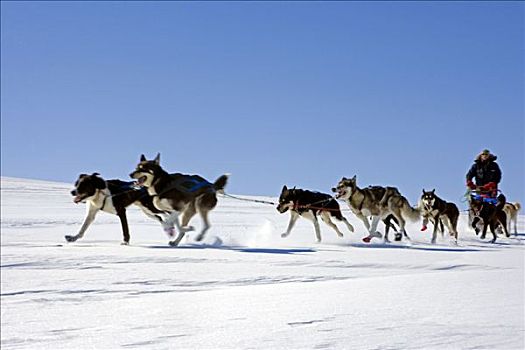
517, 205
220, 183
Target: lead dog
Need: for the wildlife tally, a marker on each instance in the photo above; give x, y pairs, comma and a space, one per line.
435, 208
378, 202
111, 196
308, 204
178, 193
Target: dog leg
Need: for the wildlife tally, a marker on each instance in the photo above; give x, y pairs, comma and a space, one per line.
484, 230
436, 225
316, 226
205, 224
474, 224
372, 230
340, 217
91, 213
451, 229
124, 224
397, 214
293, 218
149, 213
425, 223
171, 221
187, 214
493, 230
325, 216
503, 223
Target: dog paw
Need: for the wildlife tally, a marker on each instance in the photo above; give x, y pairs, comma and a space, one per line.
433, 241
173, 243
367, 239
351, 228
170, 231
284, 235
124, 243
70, 238
398, 237
199, 238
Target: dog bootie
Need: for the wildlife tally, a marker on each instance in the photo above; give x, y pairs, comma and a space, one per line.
424, 228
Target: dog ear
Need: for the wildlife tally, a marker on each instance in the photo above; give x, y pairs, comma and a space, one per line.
284, 188
81, 176
99, 182
142, 158
157, 159
354, 179
423, 191
95, 174
433, 190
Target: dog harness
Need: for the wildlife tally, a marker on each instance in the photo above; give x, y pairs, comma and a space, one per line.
490, 200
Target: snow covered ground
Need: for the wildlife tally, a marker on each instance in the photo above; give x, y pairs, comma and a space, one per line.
245, 287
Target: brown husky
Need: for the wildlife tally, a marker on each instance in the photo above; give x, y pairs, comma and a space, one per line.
378, 202
178, 194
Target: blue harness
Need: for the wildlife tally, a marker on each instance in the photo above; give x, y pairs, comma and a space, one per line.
192, 185
490, 200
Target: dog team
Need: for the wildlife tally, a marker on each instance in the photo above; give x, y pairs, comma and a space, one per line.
173, 199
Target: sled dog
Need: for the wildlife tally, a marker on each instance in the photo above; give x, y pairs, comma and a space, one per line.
512, 209
178, 194
377, 202
308, 204
490, 214
111, 196
434, 208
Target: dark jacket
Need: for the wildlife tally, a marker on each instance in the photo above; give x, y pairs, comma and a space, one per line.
485, 172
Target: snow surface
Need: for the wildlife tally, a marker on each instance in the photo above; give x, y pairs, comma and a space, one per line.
245, 287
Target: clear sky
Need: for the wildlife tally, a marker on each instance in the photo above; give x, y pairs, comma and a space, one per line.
296, 93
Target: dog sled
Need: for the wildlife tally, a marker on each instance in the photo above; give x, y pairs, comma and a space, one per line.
486, 209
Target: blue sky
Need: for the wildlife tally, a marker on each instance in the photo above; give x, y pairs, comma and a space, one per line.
296, 93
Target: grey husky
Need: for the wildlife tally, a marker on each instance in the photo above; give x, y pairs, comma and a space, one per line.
178, 194
378, 202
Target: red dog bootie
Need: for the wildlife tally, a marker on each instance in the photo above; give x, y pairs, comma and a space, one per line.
367, 239
424, 228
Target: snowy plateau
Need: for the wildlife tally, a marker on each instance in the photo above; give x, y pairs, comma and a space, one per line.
245, 287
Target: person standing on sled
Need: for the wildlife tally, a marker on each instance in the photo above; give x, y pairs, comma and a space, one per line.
487, 174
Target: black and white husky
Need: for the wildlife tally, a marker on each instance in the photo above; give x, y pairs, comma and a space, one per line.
308, 205
111, 196
435, 209
178, 194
